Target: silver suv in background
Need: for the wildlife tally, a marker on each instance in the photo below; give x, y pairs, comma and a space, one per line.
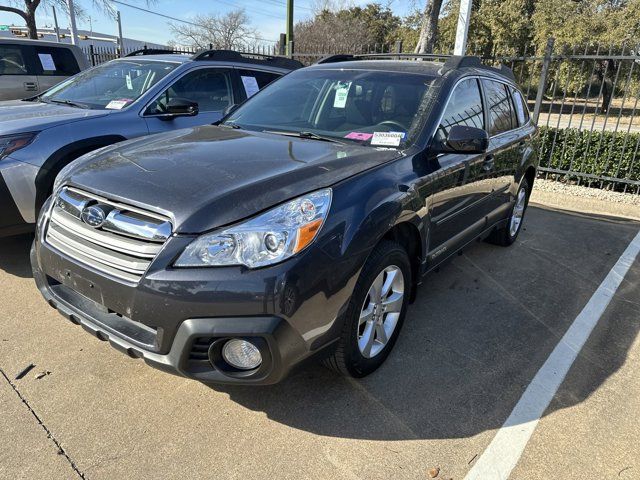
29, 67
144, 93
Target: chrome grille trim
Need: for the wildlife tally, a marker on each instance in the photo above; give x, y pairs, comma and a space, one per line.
124, 251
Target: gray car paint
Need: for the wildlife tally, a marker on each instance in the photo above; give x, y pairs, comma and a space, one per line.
60, 126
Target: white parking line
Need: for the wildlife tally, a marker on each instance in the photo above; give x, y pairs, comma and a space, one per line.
504, 451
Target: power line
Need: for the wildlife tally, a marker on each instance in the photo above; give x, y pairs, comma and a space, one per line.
181, 20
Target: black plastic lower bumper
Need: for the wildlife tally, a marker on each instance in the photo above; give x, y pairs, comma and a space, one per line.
280, 345
11, 222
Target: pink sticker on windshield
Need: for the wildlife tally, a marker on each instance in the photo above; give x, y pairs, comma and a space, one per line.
359, 136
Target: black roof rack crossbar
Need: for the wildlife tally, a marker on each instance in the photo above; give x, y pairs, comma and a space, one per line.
458, 61
335, 59
152, 51
452, 62
244, 57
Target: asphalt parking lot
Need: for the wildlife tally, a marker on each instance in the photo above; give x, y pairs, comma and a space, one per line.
476, 336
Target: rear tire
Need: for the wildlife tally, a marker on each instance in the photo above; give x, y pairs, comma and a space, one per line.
507, 235
375, 313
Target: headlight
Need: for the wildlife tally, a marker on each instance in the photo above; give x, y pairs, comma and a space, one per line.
11, 143
264, 240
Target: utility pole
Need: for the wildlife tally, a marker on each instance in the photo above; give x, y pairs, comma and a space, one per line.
120, 40
289, 27
464, 18
72, 23
55, 24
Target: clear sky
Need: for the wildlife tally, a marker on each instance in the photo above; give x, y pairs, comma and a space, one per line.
267, 16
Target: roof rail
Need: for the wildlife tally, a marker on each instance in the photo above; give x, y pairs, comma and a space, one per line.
335, 59
243, 57
458, 61
152, 51
452, 62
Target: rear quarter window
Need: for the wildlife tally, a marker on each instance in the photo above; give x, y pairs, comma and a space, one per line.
54, 61
522, 111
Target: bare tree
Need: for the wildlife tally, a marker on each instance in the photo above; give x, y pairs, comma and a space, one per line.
27, 10
429, 28
229, 31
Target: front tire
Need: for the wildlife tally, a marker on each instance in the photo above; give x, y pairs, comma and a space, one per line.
375, 313
507, 235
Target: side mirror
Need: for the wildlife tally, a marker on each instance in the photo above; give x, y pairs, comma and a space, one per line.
181, 107
462, 139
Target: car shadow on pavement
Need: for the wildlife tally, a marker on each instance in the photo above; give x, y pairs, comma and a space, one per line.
14, 255
473, 340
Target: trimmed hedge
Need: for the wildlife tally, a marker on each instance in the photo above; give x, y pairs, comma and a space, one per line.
608, 154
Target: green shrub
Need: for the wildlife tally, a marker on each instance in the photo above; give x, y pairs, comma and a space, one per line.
608, 154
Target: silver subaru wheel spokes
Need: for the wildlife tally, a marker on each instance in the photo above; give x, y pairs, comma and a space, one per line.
518, 212
380, 311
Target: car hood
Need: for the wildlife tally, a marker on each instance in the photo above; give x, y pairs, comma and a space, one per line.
20, 116
207, 177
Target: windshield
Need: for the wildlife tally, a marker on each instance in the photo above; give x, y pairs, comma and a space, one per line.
370, 107
113, 85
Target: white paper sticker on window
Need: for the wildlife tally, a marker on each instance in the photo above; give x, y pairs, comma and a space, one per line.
46, 60
387, 139
250, 85
128, 80
117, 104
342, 92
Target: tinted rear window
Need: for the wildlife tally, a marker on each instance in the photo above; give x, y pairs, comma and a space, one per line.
54, 61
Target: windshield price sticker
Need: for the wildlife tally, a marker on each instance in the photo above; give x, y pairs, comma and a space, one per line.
342, 92
359, 136
387, 139
129, 82
117, 104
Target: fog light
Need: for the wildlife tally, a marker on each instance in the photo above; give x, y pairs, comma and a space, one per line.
241, 354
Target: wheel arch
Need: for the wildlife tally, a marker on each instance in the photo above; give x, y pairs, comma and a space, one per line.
62, 157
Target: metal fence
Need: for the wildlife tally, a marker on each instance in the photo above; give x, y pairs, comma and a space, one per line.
585, 101
584, 98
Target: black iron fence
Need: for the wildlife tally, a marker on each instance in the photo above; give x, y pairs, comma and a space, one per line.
584, 98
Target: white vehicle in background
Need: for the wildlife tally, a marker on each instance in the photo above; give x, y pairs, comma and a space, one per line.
29, 67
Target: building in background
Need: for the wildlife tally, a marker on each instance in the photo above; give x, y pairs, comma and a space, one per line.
85, 38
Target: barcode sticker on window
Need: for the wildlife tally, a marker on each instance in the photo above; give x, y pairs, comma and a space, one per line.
387, 139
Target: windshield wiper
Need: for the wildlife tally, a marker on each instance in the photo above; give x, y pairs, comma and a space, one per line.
67, 102
230, 125
309, 135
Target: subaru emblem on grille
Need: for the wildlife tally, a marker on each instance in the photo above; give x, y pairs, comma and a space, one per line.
94, 216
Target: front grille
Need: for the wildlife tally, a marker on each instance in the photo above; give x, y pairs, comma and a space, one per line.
108, 236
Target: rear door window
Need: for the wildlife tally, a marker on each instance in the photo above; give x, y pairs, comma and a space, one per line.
14, 60
56, 62
464, 108
254, 80
501, 115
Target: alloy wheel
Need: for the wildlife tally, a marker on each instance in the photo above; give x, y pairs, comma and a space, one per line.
381, 311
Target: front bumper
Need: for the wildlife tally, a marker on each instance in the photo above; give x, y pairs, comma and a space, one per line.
172, 316
17, 197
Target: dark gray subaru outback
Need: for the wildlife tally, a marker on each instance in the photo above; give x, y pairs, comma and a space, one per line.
296, 228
